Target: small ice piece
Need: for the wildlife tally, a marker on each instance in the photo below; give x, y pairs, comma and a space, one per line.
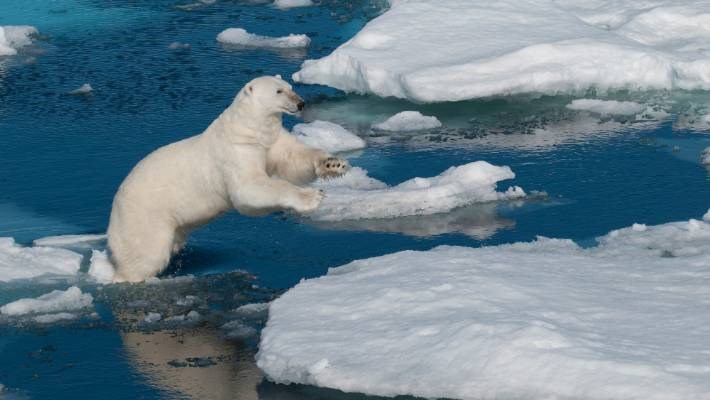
238, 330
52, 318
187, 301
56, 300
18, 262
240, 37
286, 4
68, 240
357, 196
193, 315
152, 317
537, 320
706, 217
607, 107
408, 121
328, 136
82, 90
101, 268
14, 37
705, 156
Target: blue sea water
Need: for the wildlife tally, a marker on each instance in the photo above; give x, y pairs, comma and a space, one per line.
63, 156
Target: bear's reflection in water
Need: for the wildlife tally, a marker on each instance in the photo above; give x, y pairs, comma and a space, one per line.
198, 364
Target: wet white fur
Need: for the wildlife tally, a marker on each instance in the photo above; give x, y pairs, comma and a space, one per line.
244, 160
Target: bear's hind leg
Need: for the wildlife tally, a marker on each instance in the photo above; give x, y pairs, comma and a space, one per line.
143, 256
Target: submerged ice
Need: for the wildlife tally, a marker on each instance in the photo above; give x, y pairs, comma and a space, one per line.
357, 196
19, 262
626, 319
461, 49
327, 136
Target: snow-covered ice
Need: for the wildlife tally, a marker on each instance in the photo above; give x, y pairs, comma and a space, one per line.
52, 318
408, 121
328, 136
358, 196
240, 37
100, 267
607, 107
19, 262
57, 300
464, 49
627, 319
69, 240
286, 4
13, 37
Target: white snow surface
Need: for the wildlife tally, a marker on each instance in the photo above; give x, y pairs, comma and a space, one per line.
69, 240
355, 195
54, 301
464, 49
607, 107
627, 319
408, 121
18, 262
12, 37
286, 4
240, 37
328, 136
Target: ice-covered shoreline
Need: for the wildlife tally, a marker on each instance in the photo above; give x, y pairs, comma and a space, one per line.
626, 319
457, 50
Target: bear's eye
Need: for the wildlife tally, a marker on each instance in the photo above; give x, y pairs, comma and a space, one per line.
279, 91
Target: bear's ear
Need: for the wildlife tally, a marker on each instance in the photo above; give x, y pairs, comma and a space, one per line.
250, 89
278, 76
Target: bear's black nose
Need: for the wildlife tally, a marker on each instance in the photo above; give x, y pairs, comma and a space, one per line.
300, 105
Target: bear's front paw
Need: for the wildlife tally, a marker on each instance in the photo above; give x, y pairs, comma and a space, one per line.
308, 200
331, 167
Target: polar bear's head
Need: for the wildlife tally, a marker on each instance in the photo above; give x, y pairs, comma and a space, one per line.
271, 95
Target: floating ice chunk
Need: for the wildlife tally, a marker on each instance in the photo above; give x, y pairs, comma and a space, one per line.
706, 217
548, 311
82, 90
101, 268
17, 262
68, 240
464, 49
705, 156
240, 37
408, 121
252, 309
285, 4
56, 300
357, 196
152, 317
607, 107
52, 318
328, 136
14, 37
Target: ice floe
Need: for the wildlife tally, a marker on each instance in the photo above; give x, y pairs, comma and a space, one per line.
328, 136
84, 89
54, 318
100, 267
358, 196
240, 37
408, 121
19, 262
71, 299
626, 319
448, 50
607, 107
69, 240
14, 37
286, 4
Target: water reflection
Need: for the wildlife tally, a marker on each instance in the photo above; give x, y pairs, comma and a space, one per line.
478, 221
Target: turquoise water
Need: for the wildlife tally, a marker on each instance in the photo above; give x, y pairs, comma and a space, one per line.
62, 158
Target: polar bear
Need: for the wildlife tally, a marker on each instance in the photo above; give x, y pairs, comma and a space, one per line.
244, 160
